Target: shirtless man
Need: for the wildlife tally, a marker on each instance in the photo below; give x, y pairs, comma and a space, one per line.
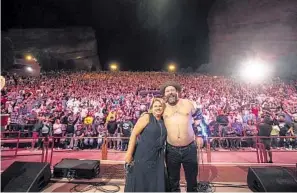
181, 146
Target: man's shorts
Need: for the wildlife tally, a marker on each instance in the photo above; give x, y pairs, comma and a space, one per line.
267, 143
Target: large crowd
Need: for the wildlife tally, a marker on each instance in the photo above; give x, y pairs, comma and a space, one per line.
87, 105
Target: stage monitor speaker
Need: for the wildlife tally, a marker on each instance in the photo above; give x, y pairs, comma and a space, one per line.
75, 168
25, 177
271, 179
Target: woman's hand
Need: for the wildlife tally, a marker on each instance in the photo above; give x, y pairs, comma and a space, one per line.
128, 159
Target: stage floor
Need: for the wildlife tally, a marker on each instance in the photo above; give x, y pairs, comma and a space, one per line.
217, 157
226, 168
224, 178
63, 185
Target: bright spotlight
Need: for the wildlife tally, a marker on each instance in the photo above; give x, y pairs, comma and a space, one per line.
29, 57
254, 71
171, 67
113, 67
29, 69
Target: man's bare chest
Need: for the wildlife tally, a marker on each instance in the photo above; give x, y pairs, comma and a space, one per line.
175, 112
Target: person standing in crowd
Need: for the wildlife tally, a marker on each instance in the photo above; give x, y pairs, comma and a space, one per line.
293, 132
70, 131
265, 128
43, 127
57, 133
118, 134
284, 128
275, 134
78, 137
238, 128
126, 129
250, 130
89, 132
145, 157
181, 140
214, 131
111, 129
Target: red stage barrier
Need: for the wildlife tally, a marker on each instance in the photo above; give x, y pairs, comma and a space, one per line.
17, 142
45, 154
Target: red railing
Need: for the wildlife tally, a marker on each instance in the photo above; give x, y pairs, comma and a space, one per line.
260, 149
17, 141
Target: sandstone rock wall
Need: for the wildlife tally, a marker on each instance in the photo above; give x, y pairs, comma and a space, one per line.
242, 29
74, 48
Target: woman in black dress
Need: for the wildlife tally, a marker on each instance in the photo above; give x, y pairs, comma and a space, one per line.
145, 155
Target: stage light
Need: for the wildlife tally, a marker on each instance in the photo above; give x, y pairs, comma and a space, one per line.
113, 66
28, 57
254, 70
29, 69
171, 67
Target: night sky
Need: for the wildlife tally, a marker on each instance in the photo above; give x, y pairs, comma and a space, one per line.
139, 34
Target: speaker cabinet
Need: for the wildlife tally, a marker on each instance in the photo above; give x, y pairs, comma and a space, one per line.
271, 179
25, 177
75, 168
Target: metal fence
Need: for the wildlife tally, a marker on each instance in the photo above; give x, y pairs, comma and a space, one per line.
209, 144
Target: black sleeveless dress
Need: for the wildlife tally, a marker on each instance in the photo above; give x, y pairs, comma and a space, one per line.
148, 171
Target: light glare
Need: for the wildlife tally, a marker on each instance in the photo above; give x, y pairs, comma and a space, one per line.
29, 69
254, 71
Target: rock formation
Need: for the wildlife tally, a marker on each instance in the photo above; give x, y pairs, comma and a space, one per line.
69, 48
241, 30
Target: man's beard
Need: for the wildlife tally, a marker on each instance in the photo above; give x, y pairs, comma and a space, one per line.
172, 99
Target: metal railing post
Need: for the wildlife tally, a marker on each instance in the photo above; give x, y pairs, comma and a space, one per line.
104, 149
208, 152
17, 145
